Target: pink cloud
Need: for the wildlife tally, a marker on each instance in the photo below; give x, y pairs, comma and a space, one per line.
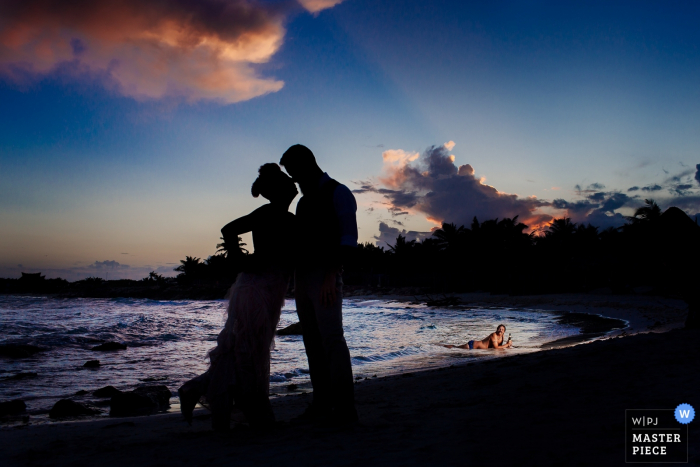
315, 6
433, 185
147, 49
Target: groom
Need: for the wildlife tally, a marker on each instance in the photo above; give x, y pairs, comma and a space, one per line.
327, 235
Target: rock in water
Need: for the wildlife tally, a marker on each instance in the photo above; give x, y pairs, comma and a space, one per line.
92, 364
141, 401
291, 330
110, 346
14, 407
107, 391
19, 350
68, 408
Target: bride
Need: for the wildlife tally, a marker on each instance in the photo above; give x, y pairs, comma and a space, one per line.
240, 363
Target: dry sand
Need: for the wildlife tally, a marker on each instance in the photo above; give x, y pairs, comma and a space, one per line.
554, 407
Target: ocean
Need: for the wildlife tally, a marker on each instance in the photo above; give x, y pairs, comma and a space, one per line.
168, 342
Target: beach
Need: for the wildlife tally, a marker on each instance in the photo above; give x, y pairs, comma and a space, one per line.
561, 406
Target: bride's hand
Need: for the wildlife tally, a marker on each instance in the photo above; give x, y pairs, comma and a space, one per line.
328, 291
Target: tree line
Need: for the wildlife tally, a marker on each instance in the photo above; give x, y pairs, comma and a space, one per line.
648, 253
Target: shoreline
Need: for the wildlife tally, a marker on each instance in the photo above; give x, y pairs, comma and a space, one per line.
594, 316
538, 407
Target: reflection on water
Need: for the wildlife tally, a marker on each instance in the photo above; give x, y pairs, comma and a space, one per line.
168, 341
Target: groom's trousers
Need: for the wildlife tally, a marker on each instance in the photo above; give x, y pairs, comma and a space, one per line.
327, 352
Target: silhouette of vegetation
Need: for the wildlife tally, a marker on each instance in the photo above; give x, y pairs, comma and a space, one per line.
653, 253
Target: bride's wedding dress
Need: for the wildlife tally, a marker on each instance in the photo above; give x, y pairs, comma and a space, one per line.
239, 368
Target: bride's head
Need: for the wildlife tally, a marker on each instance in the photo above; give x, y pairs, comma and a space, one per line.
274, 185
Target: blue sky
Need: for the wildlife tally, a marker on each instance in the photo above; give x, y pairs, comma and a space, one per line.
541, 99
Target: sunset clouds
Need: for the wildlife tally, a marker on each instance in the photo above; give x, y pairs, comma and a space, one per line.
433, 185
314, 6
149, 49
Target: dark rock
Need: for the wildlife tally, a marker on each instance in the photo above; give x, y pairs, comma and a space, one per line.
107, 346
14, 407
19, 350
82, 392
292, 387
107, 391
23, 375
141, 401
92, 364
68, 408
291, 330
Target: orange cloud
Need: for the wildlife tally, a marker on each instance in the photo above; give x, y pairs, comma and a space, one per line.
194, 50
314, 6
432, 184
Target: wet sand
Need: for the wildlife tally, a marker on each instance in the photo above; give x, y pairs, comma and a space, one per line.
561, 406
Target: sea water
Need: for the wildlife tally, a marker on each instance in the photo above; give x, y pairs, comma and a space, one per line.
168, 342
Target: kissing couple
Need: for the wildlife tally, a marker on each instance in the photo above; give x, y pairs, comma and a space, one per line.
311, 246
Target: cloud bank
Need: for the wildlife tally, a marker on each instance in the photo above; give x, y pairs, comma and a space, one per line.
149, 49
108, 269
433, 185
387, 235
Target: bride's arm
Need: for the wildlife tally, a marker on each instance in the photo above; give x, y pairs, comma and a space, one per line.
239, 226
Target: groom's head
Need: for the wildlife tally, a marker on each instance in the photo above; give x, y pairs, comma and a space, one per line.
300, 163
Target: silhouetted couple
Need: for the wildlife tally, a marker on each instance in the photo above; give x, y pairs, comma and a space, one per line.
312, 246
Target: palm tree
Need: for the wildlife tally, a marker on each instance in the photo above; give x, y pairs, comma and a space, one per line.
190, 266
236, 249
587, 233
648, 213
402, 247
561, 228
449, 236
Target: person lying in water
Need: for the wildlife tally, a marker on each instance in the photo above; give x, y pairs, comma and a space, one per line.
493, 341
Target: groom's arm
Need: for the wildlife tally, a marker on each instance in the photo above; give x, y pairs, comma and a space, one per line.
346, 210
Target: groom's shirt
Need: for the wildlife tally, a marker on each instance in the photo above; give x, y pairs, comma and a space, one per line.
346, 211
327, 225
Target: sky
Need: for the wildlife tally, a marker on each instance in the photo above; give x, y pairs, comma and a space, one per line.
132, 130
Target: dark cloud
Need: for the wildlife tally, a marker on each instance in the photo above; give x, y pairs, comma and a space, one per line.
614, 201
597, 209
433, 185
387, 235
682, 189
107, 265
150, 49
592, 188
